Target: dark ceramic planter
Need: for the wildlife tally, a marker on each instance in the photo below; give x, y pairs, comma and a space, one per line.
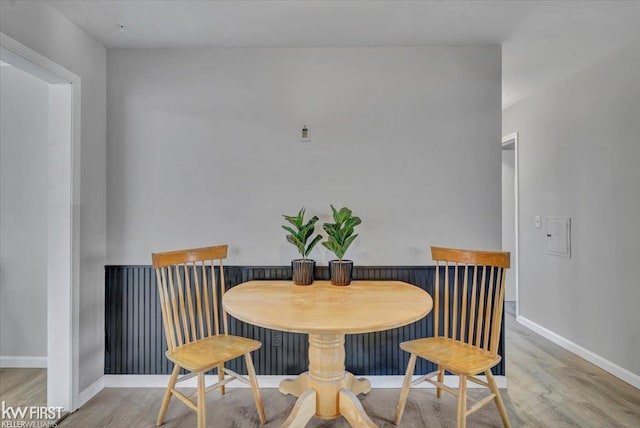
341, 271
303, 271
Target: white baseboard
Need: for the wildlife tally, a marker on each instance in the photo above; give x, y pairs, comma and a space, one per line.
23, 362
88, 393
619, 372
377, 382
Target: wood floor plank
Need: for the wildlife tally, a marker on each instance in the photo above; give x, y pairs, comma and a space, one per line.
23, 387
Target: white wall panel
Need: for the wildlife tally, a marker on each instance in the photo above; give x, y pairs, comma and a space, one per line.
204, 147
24, 103
579, 147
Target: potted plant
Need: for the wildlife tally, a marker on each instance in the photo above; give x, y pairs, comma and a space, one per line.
339, 237
298, 235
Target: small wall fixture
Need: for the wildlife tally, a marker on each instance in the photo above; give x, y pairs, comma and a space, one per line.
559, 236
305, 135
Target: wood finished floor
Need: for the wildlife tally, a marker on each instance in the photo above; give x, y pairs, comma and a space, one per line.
23, 387
548, 387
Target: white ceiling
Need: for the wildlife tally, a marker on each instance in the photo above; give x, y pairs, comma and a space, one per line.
543, 41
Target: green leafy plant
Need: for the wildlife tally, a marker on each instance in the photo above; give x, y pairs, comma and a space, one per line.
340, 234
300, 233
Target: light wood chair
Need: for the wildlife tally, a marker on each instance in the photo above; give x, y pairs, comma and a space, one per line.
467, 343
188, 291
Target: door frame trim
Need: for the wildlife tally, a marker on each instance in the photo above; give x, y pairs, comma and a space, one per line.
63, 199
506, 140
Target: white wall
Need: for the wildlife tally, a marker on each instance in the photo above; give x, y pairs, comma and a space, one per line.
46, 31
204, 148
24, 102
509, 219
579, 144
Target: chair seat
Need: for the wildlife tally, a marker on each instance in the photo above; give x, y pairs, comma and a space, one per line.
453, 355
208, 353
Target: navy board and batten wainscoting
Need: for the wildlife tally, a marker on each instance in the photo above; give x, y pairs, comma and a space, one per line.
135, 342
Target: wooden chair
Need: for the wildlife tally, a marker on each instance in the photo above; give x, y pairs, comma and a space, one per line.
467, 343
188, 290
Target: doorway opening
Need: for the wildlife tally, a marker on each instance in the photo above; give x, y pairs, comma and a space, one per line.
510, 213
62, 220
24, 101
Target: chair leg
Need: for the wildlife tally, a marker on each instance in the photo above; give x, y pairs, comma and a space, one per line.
462, 402
167, 395
202, 405
404, 394
498, 399
254, 387
221, 377
441, 380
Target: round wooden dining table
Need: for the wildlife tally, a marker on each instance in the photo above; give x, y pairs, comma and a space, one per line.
326, 313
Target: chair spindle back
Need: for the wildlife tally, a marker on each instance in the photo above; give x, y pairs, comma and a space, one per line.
188, 291
474, 313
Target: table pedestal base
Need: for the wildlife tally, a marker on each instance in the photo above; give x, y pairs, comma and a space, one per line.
326, 390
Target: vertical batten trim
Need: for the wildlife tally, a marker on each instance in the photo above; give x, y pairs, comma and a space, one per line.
367, 354
200, 308
436, 315
488, 315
